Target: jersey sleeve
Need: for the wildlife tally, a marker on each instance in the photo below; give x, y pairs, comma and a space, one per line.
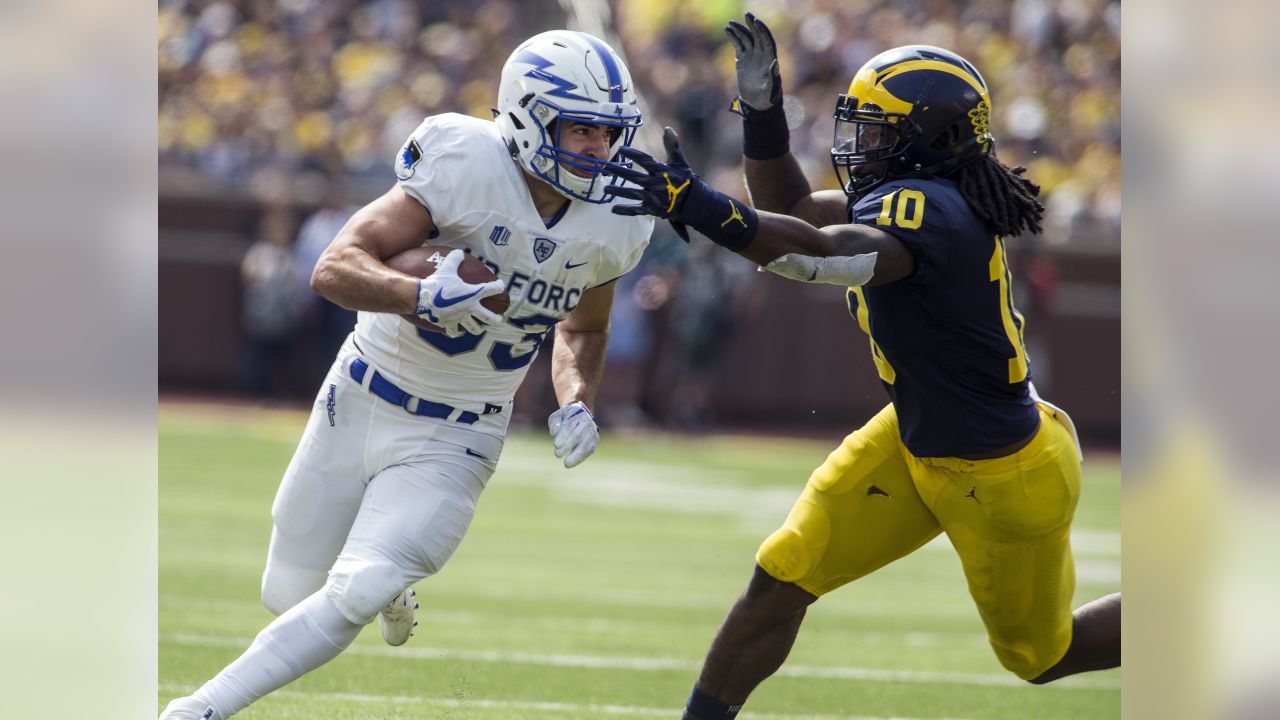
619, 259
906, 211
426, 165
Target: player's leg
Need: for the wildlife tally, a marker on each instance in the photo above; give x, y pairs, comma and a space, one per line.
318, 500
751, 644
1095, 640
1010, 521
306, 636
411, 520
321, 491
859, 511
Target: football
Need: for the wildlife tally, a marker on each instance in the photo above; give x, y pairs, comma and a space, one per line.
422, 261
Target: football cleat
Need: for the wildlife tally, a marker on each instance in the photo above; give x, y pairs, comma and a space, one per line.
396, 619
189, 708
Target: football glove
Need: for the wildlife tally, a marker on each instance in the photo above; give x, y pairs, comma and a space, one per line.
452, 303
662, 190
674, 192
574, 433
756, 60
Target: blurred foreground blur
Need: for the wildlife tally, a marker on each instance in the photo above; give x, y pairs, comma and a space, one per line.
1201, 496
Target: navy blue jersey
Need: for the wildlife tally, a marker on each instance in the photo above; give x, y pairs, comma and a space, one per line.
947, 341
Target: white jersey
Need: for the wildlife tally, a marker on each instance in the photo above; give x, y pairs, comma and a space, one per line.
459, 168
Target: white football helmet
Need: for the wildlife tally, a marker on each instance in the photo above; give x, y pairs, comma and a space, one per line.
571, 75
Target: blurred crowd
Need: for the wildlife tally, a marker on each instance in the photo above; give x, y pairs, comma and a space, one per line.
335, 86
330, 89
1053, 67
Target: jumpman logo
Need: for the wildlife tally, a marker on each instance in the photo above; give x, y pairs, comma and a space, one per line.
673, 192
735, 215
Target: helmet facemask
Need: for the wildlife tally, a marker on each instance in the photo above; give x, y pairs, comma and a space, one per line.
867, 142
556, 77
555, 165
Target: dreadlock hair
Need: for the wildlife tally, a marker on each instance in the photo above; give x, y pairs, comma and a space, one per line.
1001, 196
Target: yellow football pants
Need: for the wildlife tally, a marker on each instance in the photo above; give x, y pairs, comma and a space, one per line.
1009, 519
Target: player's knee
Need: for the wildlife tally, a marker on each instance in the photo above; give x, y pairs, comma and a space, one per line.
275, 601
284, 586
359, 588
1024, 662
787, 555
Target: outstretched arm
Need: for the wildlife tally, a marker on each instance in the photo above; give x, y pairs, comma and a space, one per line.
775, 181
842, 254
838, 254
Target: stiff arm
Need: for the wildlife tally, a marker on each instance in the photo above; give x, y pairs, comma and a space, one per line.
838, 253
845, 255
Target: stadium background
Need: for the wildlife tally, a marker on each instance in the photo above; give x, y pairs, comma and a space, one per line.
277, 119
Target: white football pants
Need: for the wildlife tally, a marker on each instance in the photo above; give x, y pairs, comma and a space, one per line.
375, 498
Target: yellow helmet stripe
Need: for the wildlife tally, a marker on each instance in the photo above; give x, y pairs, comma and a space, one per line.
867, 89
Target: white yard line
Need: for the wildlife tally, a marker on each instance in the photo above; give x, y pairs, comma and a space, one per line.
658, 663
592, 709
589, 624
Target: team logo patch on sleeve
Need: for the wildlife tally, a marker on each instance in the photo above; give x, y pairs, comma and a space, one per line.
409, 158
543, 247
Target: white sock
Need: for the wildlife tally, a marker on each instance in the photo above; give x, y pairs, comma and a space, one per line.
305, 637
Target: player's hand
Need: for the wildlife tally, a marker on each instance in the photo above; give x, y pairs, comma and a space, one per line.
756, 59
574, 433
663, 188
452, 303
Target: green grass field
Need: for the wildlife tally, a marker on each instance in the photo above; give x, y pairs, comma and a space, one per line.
593, 593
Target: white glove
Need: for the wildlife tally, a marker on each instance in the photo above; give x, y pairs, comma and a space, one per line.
845, 270
452, 303
574, 433
756, 60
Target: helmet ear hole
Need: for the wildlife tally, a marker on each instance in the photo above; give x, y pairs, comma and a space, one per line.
946, 138
516, 121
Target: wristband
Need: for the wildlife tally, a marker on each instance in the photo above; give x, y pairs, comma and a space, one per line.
765, 135
727, 222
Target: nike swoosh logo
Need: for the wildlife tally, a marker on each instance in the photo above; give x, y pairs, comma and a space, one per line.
443, 302
473, 453
568, 265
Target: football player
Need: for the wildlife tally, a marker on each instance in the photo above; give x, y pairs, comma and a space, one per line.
409, 424
965, 446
